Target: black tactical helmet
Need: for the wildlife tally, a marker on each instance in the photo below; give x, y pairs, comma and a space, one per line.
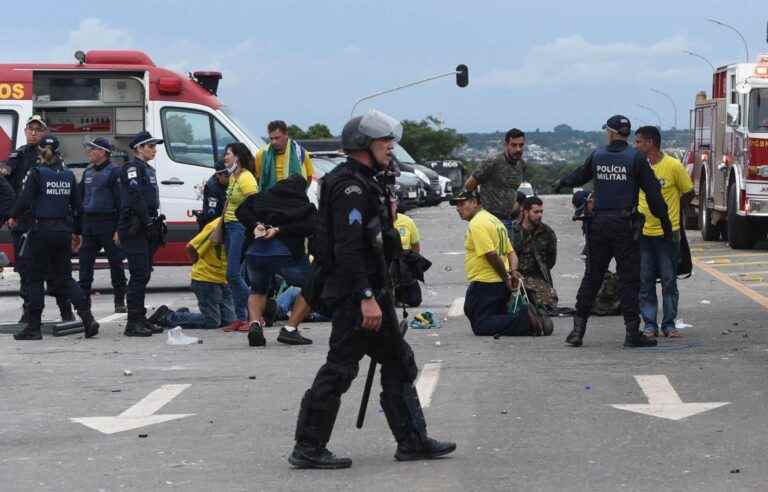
360, 131
49, 141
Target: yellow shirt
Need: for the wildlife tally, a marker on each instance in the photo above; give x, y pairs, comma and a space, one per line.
211, 265
281, 163
674, 181
237, 191
485, 234
409, 234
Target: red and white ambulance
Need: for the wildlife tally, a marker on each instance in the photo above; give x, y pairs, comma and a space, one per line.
116, 94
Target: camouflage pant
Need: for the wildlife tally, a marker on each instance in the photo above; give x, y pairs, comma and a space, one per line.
540, 293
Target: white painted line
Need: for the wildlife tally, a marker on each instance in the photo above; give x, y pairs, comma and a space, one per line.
454, 253
663, 400
112, 317
457, 308
427, 382
139, 415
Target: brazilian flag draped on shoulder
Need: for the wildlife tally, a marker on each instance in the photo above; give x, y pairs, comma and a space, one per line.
296, 155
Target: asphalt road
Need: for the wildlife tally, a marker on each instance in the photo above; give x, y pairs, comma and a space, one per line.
527, 413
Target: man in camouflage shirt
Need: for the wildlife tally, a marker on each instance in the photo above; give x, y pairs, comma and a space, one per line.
535, 244
500, 177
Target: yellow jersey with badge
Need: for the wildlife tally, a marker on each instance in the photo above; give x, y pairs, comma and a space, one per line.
211, 265
238, 190
674, 180
409, 233
485, 234
281, 163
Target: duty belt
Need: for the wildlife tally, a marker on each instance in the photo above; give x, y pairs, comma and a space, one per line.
100, 216
625, 213
50, 220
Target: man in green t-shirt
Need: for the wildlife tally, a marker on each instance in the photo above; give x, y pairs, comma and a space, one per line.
659, 256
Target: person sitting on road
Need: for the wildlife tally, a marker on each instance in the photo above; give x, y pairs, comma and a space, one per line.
491, 268
535, 244
411, 265
209, 283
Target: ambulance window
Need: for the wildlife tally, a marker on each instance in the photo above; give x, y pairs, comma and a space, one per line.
189, 136
8, 125
223, 138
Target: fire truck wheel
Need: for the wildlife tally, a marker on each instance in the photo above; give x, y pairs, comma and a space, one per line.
740, 234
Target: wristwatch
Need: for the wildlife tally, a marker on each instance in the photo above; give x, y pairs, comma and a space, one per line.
366, 294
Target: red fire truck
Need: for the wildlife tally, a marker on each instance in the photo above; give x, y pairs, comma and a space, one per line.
116, 94
729, 156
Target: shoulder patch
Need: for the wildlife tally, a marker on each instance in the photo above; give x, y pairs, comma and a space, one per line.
353, 189
355, 216
132, 172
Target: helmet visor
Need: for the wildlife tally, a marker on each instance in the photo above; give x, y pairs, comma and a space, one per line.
376, 125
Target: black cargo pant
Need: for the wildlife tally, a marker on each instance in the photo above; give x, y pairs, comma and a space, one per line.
139, 251
348, 344
611, 237
22, 266
49, 259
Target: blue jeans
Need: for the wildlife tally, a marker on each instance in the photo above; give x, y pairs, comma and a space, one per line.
234, 237
215, 304
658, 259
485, 305
262, 270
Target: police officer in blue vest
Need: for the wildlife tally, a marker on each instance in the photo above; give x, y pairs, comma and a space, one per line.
618, 172
19, 164
50, 194
140, 229
214, 195
100, 191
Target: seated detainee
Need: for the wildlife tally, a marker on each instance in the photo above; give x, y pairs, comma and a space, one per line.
490, 264
209, 283
535, 245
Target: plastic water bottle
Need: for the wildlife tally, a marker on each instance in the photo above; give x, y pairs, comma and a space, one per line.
177, 337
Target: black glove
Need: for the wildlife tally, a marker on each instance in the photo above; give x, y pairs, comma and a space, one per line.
667, 226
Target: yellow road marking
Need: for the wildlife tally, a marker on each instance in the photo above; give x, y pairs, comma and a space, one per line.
736, 274
734, 255
727, 280
744, 263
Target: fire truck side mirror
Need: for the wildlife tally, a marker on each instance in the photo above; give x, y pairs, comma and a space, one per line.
733, 115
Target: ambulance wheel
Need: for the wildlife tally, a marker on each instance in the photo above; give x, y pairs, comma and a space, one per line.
709, 231
740, 234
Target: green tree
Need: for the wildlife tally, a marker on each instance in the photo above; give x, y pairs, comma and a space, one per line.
319, 130
426, 141
179, 130
296, 133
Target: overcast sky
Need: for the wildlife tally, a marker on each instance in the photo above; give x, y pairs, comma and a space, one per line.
533, 64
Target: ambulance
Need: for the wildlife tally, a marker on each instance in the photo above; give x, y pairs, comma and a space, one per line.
728, 160
116, 94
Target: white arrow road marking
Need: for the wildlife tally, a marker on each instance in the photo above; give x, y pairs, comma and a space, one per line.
457, 308
112, 317
139, 415
426, 383
664, 402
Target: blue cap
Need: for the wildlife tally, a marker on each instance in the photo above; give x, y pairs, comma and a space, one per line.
619, 124
144, 138
100, 143
49, 141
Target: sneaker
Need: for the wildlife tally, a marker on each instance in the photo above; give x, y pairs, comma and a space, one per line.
256, 335
235, 325
304, 456
292, 337
411, 450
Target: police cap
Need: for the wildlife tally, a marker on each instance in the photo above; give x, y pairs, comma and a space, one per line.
619, 124
144, 138
99, 143
220, 167
49, 141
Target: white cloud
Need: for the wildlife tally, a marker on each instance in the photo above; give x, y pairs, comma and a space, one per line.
574, 60
93, 33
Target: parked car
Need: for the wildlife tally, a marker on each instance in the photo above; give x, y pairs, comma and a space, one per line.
430, 178
446, 187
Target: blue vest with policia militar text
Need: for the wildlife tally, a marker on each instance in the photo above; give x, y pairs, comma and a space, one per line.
616, 187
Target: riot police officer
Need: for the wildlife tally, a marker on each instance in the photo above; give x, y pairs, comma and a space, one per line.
354, 240
100, 191
19, 164
618, 172
140, 228
214, 195
50, 196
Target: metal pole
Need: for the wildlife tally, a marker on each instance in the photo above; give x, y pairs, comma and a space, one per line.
728, 26
404, 86
674, 106
647, 108
700, 57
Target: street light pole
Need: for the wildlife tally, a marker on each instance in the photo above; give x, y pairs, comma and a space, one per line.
674, 106
701, 58
728, 26
651, 110
461, 81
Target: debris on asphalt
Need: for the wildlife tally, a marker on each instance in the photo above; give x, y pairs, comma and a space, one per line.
127, 373
504, 412
177, 337
424, 321
726, 332
736, 470
251, 377
200, 341
588, 387
143, 435
681, 325
705, 302
448, 268
116, 391
437, 344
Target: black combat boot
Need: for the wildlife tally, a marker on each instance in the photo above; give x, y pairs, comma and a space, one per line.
635, 338
160, 316
406, 421
120, 302
65, 308
313, 430
89, 323
32, 330
135, 327
576, 337
153, 328
24, 316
